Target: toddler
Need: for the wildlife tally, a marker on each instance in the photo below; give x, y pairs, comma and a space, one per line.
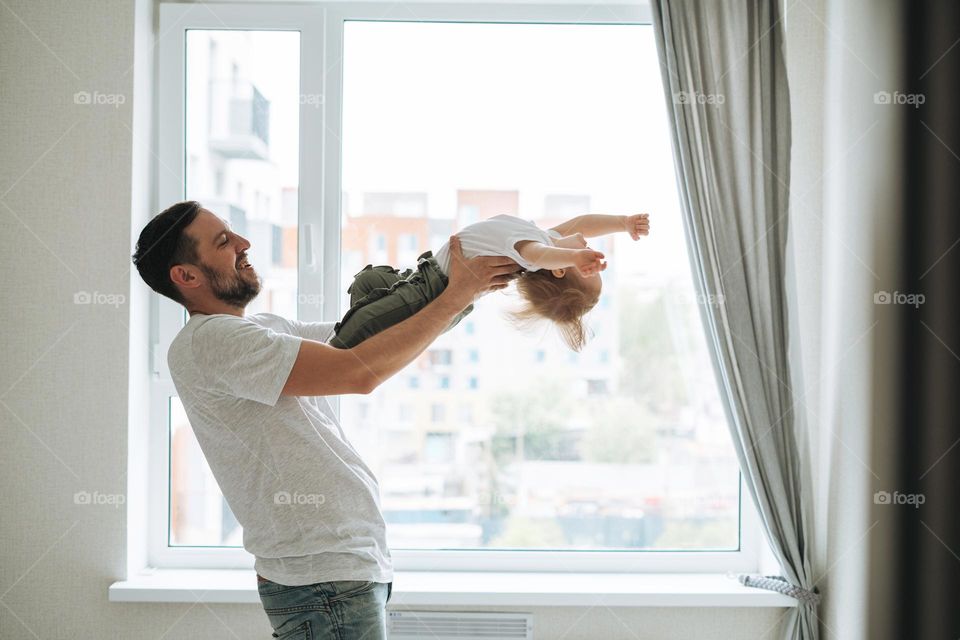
559, 281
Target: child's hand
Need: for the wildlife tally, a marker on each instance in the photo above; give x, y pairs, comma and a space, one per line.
589, 262
637, 225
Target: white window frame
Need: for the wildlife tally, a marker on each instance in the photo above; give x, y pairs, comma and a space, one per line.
321, 44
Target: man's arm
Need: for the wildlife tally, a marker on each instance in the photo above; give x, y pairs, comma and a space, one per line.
323, 370
592, 225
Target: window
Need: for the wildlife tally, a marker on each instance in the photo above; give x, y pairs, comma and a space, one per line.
407, 242
277, 237
438, 447
596, 387
441, 356
593, 460
597, 473
239, 113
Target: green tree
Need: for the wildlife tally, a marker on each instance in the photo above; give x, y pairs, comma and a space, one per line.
532, 422
651, 373
528, 533
689, 534
622, 431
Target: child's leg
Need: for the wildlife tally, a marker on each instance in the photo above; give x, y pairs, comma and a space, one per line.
371, 277
383, 307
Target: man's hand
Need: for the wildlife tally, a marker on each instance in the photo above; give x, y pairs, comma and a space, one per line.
637, 225
589, 262
470, 278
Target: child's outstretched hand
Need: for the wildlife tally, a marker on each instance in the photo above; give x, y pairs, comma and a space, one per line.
637, 225
589, 262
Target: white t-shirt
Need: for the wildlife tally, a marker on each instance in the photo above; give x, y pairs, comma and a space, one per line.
308, 505
496, 237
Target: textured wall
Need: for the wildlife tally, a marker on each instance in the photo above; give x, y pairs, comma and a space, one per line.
74, 192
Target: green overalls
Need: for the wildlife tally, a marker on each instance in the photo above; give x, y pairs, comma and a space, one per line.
382, 296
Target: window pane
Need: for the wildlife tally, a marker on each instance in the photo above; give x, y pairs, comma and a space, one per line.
529, 445
242, 147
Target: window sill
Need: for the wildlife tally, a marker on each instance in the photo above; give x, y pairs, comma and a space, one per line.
423, 588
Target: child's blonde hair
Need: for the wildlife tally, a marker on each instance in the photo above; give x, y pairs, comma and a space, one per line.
559, 300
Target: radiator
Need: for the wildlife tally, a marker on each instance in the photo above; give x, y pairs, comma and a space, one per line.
402, 625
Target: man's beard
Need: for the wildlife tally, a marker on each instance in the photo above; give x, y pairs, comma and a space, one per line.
234, 290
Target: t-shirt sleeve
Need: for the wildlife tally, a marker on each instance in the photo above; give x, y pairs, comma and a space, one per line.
319, 331
249, 360
527, 231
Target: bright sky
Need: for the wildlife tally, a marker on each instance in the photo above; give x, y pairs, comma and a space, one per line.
558, 108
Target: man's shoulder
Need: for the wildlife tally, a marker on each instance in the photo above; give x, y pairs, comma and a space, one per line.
204, 326
181, 347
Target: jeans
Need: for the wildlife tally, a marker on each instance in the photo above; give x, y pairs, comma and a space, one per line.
340, 610
383, 296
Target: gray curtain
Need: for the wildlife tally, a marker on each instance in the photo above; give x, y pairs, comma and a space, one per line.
728, 103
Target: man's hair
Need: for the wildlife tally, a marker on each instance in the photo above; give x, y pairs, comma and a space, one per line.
164, 243
560, 300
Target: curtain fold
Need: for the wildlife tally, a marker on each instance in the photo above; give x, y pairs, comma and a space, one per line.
724, 77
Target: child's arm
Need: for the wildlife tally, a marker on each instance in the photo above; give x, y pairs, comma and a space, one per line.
592, 225
586, 261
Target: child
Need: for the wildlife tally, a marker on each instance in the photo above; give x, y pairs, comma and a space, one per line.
560, 280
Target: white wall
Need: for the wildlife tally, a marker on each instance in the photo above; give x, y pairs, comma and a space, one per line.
75, 190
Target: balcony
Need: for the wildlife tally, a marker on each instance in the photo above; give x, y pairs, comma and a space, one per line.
239, 120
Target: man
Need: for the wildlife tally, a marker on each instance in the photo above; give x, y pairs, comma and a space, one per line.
254, 390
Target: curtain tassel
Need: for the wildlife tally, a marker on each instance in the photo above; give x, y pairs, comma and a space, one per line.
780, 585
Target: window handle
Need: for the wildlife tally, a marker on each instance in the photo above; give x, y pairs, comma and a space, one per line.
311, 261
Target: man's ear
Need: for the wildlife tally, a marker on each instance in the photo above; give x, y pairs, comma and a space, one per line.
558, 273
183, 277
